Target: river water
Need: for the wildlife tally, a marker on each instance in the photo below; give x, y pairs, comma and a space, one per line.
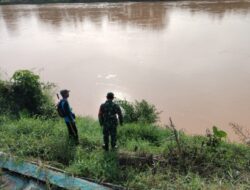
191, 59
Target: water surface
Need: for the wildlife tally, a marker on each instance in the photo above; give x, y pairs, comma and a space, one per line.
190, 59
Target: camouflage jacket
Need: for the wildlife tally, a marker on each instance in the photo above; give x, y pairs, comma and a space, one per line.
108, 114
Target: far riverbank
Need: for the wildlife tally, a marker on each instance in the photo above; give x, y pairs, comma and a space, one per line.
13, 2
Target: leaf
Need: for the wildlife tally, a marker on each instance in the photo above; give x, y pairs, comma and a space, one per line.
215, 129
219, 133
222, 134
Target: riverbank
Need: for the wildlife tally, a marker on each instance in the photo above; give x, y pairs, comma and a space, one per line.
12, 2
148, 157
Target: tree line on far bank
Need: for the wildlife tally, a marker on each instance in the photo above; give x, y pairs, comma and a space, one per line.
51, 1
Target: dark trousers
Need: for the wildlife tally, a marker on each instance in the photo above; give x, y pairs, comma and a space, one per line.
109, 130
73, 134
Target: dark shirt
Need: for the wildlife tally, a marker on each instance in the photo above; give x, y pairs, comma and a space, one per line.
108, 114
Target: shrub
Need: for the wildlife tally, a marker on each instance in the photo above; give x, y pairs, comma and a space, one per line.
139, 111
25, 93
5, 92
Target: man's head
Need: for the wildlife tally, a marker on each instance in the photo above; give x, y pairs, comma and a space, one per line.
64, 93
110, 96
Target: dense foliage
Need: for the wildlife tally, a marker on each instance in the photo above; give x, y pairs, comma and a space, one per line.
138, 112
25, 93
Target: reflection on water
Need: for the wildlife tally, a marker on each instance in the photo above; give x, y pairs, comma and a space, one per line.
218, 7
150, 15
191, 59
10, 17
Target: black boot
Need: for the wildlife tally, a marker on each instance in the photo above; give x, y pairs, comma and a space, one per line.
114, 147
105, 147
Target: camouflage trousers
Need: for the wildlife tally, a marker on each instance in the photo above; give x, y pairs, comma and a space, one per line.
109, 130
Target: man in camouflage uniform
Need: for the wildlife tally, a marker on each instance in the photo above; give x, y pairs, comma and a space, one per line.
108, 120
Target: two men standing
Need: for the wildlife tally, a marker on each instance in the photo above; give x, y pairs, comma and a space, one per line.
108, 120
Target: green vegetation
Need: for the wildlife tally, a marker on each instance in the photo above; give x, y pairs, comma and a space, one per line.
138, 112
24, 93
149, 157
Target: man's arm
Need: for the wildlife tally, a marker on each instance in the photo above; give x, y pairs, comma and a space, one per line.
119, 112
67, 111
100, 115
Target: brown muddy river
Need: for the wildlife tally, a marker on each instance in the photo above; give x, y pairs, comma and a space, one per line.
190, 59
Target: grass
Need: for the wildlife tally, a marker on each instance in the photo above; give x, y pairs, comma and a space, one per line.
199, 166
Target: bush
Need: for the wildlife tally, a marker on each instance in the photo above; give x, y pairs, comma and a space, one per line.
139, 111
25, 93
5, 92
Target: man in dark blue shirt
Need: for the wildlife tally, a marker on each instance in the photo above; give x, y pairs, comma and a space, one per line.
69, 117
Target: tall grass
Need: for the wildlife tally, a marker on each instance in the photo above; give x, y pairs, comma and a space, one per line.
200, 167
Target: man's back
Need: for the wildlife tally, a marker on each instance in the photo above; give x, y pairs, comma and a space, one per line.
107, 113
108, 120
